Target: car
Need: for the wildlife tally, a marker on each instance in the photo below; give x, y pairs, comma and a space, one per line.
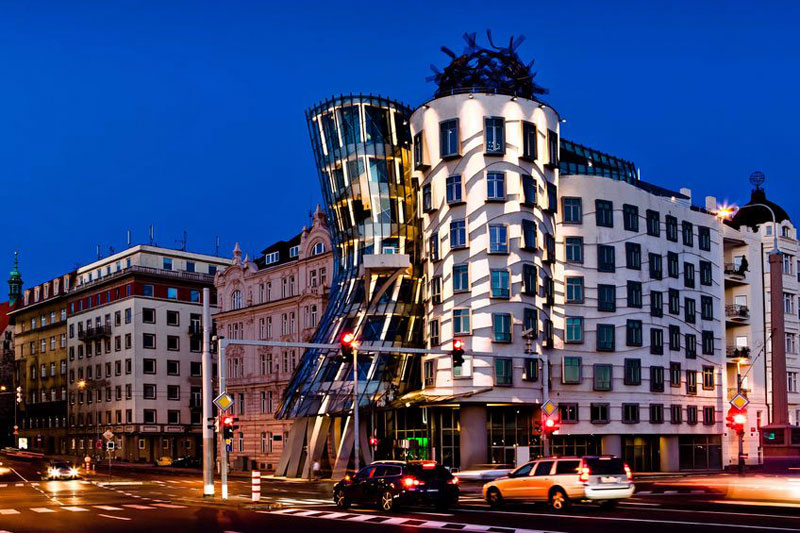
393, 484
61, 470
604, 479
164, 461
187, 461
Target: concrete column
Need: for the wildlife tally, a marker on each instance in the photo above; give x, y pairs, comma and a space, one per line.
780, 398
473, 437
670, 454
611, 445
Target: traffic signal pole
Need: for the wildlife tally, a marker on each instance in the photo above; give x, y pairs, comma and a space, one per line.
223, 467
208, 394
356, 432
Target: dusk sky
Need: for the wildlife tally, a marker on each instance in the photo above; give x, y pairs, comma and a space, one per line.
190, 115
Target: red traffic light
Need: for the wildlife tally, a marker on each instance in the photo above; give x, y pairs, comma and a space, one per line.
549, 423
458, 344
373, 441
227, 421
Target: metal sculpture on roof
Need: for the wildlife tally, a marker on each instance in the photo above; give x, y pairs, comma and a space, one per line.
496, 69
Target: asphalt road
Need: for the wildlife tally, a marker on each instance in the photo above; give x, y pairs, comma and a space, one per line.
154, 501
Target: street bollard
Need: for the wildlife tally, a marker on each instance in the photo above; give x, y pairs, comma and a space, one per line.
256, 491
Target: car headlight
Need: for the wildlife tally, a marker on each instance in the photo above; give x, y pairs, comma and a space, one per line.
53, 472
73, 472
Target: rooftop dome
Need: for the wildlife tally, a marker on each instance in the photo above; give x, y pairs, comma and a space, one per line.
496, 70
757, 215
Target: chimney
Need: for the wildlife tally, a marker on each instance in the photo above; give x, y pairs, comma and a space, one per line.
687, 192
711, 203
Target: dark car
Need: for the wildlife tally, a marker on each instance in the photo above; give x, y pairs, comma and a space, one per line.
187, 461
391, 484
61, 470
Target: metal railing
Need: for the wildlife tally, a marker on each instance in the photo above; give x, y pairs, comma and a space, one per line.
176, 274
96, 332
741, 352
737, 311
732, 269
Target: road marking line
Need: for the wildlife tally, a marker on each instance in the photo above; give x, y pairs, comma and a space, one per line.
644, 492
638, 503
9, 511
393, 521
108, 508
169, 506
4, 485
306, 513
42, 510
75, 509
20, 485
112, 516
20, 475
136, 506
358, 518
670, 492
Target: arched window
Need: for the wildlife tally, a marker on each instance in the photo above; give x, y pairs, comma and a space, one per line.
319, 248
236, 299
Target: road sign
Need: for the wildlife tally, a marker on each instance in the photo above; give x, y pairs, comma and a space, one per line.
549, 408
739, 401
108, 434
110, 445
224, 401
229, 447
99, 445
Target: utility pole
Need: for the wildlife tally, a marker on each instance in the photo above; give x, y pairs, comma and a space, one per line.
208, 394
223, 467
356, 432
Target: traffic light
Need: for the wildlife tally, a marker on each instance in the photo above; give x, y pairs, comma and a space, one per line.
458, 353
19, 394
228, 426
736, 419
373, 441
549, 425
348, 342
537, 427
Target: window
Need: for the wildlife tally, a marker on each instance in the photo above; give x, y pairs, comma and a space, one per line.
605, 258
656, 268
691, 345
688, 235
704, 238
149, 391
671, 224
708, 415
173, 392
552, 148
603, 377
460, 278
573, 210
194, 295
172, 293
149, 341
173, 318
149, 418
173, 368
604, 213
529, 141
528, 190
436, 290
458, 234
674, 338
605, 338
433, 246
675, 414
705, 273
148, 315
691, 382
529, 235
427, 199
630, 413
688, 275
148, 366
633, 331
690, 310
653, 223
791, 381
494, 135
529, 281
574, 330
674, 306
633, 372
430, 377
630, 217
495, 186
501, 324
634, 294
500, 284
606, 298
448, 138
571, 370
708, 343
454, 189
633, 255
656, 413
418, 152
656, 341
574, 289
574, 249
568, 412
530, 370
706, 308
656, 303
502, 371
691, 414
599, 413
708, 378
656, 379
433, 332
672, 265
461, 322
498, 239
674, 374
531, 321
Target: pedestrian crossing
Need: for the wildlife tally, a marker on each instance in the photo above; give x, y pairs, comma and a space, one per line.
384, 520
87, 508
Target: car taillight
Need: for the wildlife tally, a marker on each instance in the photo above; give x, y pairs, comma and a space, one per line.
410, 481
628, 472
584, 473
453, 481
347, 477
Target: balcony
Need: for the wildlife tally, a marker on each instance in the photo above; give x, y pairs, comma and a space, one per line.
735, 274
742, 352
198, 277
98, 332
737, 313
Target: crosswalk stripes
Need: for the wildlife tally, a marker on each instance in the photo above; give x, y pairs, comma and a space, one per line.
75, 509
9, 511
108, 508
137, 507
169, 506
396, 521
42, 510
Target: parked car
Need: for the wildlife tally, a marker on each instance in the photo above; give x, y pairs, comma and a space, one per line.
561, 480
164, 461
392, 484
61, 470
187, 461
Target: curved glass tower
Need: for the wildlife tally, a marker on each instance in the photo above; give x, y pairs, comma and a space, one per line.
361, 146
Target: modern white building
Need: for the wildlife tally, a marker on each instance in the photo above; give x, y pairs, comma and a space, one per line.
134, 343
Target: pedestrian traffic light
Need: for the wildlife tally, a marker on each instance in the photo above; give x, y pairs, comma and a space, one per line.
458, 353
228, 426
348, 342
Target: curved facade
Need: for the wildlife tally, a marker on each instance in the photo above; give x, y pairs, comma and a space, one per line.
361, 146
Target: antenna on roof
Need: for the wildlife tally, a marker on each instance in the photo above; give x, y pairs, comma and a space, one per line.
152, 233
129, 237
99, 256
182, 242
110, 250
216, 249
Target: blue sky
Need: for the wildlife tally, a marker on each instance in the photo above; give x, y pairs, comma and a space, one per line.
189, 115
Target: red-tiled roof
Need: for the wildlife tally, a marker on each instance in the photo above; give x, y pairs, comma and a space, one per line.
4, 309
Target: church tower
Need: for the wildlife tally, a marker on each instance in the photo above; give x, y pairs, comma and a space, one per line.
14, 282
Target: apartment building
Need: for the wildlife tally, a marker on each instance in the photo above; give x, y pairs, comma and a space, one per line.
280, 296
133, 343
